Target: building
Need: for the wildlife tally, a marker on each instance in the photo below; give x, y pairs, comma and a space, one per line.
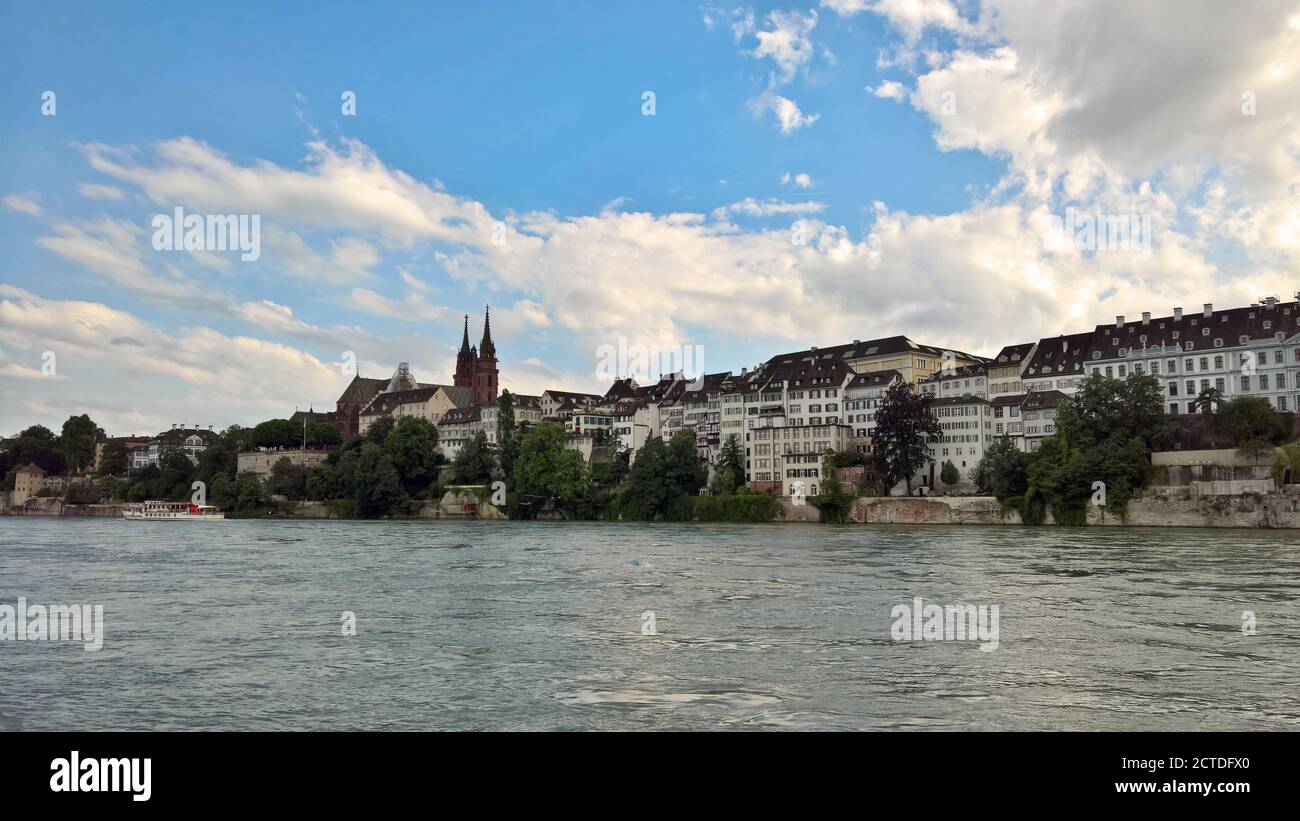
527, 410
261, 462
1038, 412
788, 458
191, 441
1007, 368
1057, 364
28, 482
1251, 351
457, 427
427, 402
474, 383
966, 423
476, 367
555, 404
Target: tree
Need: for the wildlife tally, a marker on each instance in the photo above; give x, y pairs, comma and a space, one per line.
379, 429
730, 473
507, 436
323, 435
376, 485
277, 433
288, 480
1103, 407
474, 463
949, 475
412, 445
112, 459
1252, 419
547, 472
78, 442
1006, 468
662, 474
904, 428
36, 444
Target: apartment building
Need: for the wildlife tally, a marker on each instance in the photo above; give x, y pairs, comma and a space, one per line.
1006, 369
1251, 351
1057, 363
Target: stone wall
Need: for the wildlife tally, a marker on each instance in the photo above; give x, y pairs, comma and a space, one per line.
261, 461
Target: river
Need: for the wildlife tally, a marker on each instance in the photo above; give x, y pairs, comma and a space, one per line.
239, 625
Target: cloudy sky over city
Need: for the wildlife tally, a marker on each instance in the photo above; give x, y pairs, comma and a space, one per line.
750, 179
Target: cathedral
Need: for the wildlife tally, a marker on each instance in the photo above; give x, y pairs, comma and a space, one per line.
474, 384
476, 368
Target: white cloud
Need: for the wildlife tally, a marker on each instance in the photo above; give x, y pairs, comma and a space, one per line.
788, 116
889, 90
787, 42
23, 204
414, 308
770, 207
95, 191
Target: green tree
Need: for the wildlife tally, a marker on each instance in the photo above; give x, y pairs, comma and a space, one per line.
949, 475
730, 472
112, 459
904, 428
377, 484
507, 436
37, 444
1251, 419
379, 429
412, 446
1007, 470
288, 480
78, 442
277, 433
474, 463
547, 473
662, 474
323, 435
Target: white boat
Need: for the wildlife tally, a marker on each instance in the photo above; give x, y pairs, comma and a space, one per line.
171, 512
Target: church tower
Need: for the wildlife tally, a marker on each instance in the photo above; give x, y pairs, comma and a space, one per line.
485, 367
465, 361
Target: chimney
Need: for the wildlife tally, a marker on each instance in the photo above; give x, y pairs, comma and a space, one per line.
1208, 309
1178, 314
1119, 321
1065, 344
1146, 317
1270, 301
857, 342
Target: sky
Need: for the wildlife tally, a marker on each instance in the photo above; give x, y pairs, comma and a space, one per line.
732, 181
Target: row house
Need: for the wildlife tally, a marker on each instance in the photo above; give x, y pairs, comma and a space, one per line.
702, 414
1038, 413
861, 399
967, 429
1251, 351
965, 380
527, 410
560, 404
191, 441
1057, 364
788, 458
1005, 371
456, 427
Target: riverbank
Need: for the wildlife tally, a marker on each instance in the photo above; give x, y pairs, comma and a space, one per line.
1278, 510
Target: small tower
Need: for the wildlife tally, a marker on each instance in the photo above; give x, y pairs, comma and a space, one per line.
465, 361
485, 369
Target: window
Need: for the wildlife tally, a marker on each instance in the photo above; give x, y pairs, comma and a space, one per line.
1191, 388
1155, 368
1262, 358
1189, 366
1205, 363
1173, 407
1109, 372
1277, 357
1173, 388
1245, 383
1218, 363
1263, 381
1173, 365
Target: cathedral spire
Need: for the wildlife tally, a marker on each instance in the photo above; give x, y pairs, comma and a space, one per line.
485, 348
464, 340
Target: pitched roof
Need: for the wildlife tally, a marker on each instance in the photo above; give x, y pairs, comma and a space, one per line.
361, 390
874, 379
1039, 400
1059, 355
386, 403
32, 467
457, 416
964, 399
208, 436
1169, 336
583, 398
1012, 354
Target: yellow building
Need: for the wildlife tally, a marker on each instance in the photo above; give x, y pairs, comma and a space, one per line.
28, 482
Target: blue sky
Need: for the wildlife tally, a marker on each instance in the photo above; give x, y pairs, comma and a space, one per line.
530, 115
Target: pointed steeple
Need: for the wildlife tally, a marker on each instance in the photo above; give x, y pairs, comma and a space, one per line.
486, 349
464, 340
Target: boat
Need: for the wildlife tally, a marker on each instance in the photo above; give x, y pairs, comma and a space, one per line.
171, 512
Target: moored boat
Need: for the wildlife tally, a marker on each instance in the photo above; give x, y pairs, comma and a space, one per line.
171, 512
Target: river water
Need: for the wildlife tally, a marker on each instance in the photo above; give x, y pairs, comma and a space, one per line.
238, 625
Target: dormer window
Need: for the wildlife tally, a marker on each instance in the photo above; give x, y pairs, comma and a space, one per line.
1143, 339
1175, 334
1187, 346
1096, 354
1205, 332
1268, 323
1123, 351
1114, 342
1242, 340
1218, 343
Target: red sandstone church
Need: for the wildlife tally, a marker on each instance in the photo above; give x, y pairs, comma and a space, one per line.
474, 384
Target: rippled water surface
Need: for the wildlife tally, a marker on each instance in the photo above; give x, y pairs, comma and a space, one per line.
236, 625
